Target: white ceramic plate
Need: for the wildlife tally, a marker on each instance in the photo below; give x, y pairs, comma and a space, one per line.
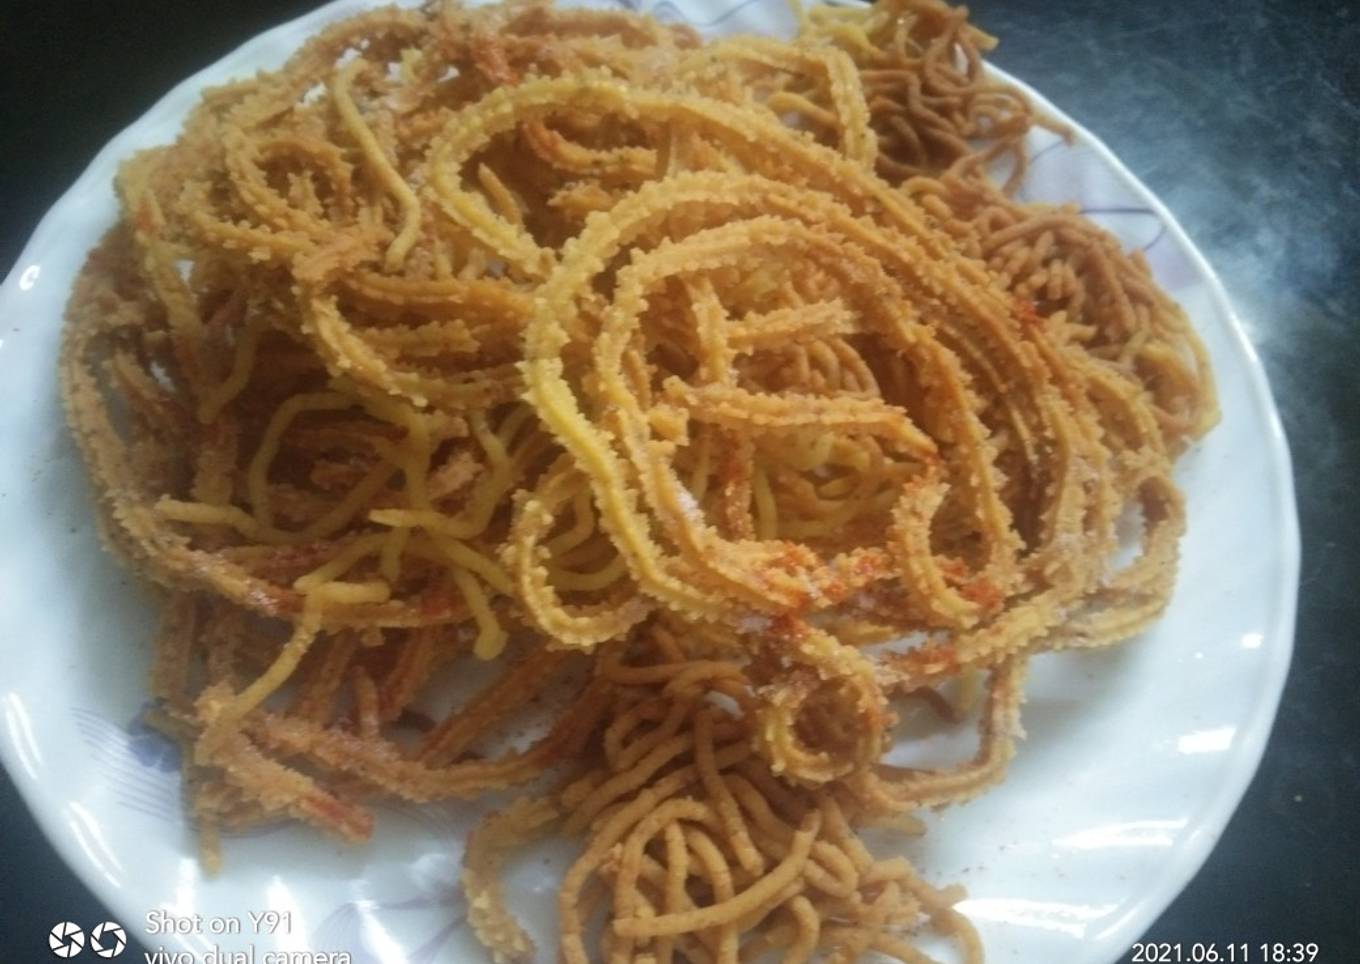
1134, 761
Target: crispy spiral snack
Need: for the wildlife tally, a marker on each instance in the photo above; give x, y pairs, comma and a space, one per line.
678, 377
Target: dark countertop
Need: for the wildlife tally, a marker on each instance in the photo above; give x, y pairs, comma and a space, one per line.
1243, 117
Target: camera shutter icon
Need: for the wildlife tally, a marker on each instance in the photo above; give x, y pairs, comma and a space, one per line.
108, 939
66, 940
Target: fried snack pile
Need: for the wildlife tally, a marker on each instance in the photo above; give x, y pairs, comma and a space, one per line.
712, 390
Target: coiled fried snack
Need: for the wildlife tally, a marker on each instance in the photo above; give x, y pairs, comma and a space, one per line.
675, 376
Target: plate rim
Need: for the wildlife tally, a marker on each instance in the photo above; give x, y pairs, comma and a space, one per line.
1214, 812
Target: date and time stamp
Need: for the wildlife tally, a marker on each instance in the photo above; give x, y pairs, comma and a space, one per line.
1210, 952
